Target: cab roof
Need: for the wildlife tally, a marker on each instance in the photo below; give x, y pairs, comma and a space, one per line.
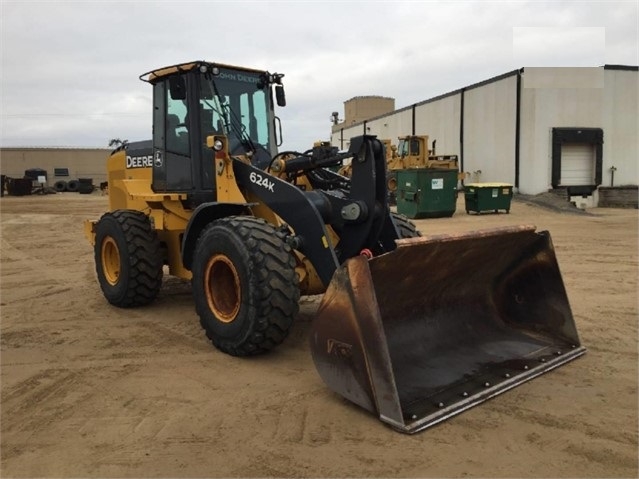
154, 75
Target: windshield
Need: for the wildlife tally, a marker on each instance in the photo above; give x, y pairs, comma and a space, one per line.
402, 148
232, 104
408, 147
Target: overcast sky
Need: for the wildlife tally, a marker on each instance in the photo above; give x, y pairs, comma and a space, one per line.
70, 69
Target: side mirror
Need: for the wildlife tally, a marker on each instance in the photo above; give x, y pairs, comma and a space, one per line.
279, 95
177, 87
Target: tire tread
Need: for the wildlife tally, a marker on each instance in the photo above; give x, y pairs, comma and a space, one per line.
278, 298
144, 256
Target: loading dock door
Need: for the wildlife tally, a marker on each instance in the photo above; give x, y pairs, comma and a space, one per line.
577, 158
577, 164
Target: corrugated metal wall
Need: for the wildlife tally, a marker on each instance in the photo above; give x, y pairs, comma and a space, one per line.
554, 98
440, 120
621, 124
490, 113
601, 97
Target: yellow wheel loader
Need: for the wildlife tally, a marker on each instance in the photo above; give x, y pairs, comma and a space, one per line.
415, 329
413, 153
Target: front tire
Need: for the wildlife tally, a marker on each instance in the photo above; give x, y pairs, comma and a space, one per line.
127, 258
245, 287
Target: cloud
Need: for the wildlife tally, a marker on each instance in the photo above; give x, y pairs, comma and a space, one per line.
70, 69
570, 46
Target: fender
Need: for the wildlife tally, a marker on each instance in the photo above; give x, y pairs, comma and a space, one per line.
202, 216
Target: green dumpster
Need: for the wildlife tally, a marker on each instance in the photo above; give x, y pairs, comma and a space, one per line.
426, 192
488, 197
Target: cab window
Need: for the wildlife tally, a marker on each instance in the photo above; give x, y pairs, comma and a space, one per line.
177, 134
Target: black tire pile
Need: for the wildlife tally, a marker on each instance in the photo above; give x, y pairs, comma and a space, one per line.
83, 186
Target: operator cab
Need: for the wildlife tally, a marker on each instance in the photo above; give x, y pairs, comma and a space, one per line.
408, 146
194, 100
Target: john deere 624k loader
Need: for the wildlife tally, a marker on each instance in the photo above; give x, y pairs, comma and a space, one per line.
415, 329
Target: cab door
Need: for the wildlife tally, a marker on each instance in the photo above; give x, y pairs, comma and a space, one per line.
172, 159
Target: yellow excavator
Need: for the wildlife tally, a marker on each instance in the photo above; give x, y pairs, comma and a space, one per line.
415, 329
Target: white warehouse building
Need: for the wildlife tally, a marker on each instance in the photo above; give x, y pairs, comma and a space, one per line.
539, 129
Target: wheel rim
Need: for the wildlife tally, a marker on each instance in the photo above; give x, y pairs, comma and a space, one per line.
222, 287
110, 260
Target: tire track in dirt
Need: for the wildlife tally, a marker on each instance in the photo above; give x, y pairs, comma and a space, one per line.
49, 397
44, 275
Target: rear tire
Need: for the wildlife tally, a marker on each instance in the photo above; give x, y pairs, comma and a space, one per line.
127, 258
244, 284
406, 227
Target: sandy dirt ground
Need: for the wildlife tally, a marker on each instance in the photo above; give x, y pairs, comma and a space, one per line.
89, 390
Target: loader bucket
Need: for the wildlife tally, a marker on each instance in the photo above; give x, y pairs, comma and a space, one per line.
443, 323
